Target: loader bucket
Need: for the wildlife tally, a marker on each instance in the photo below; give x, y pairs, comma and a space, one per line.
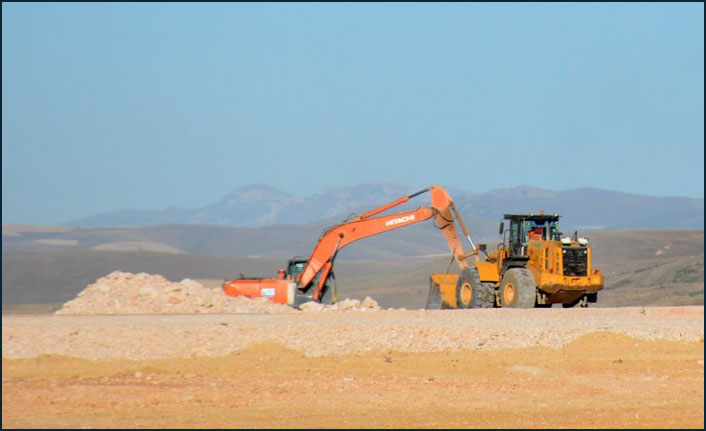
442, 291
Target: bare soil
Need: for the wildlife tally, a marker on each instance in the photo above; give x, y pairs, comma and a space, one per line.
545, 368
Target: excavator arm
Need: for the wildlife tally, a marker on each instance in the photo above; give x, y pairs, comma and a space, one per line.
334, 239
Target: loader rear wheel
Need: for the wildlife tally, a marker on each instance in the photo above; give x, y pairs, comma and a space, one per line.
471, 292
517, 289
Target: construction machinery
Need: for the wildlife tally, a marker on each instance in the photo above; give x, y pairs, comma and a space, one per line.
313, 279
535, 265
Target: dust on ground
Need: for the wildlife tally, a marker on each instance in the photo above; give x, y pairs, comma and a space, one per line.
601, 380
142, 364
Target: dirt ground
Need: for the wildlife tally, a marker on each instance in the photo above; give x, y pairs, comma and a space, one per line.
595, 368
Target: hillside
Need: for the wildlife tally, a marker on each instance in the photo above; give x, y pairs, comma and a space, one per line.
656, 268
56, 276
641, 267
638, 270
282, 241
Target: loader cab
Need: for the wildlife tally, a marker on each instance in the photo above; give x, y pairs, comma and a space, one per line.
524, 228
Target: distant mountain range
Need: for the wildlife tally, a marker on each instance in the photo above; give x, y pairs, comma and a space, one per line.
260, 205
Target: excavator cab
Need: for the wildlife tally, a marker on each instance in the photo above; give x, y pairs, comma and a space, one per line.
295, 266
329, 293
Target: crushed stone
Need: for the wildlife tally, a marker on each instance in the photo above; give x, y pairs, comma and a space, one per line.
127, 293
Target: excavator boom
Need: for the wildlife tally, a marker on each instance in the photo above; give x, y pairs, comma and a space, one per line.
365, 225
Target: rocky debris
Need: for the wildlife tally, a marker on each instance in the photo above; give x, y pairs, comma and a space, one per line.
330, 333
369, 302
312, 306
345, 305
127, 293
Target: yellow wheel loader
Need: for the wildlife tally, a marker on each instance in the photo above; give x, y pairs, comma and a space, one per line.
535, 265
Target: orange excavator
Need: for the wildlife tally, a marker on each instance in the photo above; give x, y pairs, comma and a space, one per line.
312, 279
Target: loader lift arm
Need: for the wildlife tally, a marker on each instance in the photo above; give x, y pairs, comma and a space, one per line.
364, 225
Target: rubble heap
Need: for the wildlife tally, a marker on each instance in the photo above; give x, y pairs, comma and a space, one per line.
346, 305
127, 293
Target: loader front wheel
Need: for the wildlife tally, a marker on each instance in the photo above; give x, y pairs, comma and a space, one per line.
471, 292
517, 289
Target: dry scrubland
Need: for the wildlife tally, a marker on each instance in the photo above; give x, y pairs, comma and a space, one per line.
642, 267
353, 365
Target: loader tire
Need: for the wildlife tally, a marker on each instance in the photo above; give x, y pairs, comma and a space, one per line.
471, 292
517, 289
571, 304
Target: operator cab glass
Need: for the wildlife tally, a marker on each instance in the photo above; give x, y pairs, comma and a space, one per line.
296, 266
525, 228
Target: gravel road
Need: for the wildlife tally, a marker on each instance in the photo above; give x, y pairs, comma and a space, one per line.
316, 334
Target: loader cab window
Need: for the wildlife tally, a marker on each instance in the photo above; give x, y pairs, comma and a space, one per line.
530, 227
539, 230
517, 236
554, 233
536, 233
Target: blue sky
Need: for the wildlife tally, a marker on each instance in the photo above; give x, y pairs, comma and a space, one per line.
111, 106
